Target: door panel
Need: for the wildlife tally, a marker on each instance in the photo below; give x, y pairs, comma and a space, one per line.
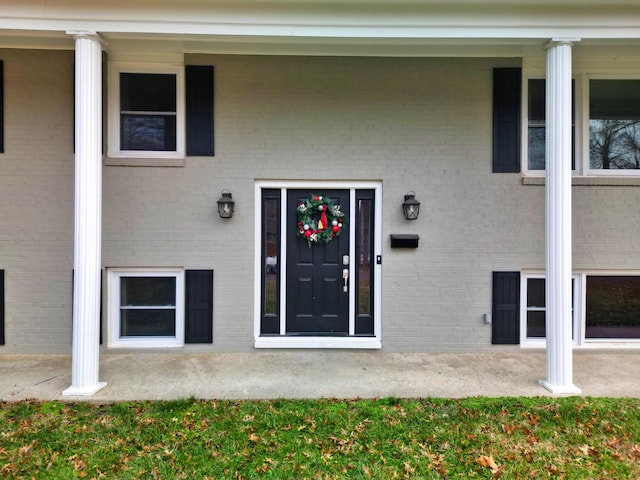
316, 301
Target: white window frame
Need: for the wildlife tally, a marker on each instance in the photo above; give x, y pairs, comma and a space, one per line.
579, 312
581, 115
603, 342
348, 342
578, 125
113, 310
586, 134
115, 69
578, 321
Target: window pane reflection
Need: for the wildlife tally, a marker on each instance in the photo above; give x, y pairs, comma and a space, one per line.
148, 132
147, 306
614, 124
536, 324
365, 213
613, 307
148, 291
271, 225
536, 308
537, 126
148, 323
148, 111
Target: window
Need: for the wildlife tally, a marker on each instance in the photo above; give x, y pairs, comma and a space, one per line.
613, 307
1, 106
614, 124
535, 306
146, 111
608, 139
146, 308
536, 125
605, 308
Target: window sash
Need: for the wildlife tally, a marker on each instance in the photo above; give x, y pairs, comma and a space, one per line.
536, 125
614, 124
531, 311
138, 127
590, 115
132, 321
612, 307
605, 309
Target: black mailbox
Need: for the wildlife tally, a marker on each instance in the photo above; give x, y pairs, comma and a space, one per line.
399, 240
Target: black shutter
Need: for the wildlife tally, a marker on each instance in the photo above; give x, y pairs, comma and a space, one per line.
507, 86
1, 307
198, 306
1, 106
199, 108
506, 308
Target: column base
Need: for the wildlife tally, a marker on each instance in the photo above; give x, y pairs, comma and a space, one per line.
84, 392
560, 389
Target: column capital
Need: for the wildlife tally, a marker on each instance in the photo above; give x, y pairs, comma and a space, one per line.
558, 41
89, 34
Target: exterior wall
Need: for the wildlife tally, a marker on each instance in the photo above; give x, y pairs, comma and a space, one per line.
415, 124
36, 200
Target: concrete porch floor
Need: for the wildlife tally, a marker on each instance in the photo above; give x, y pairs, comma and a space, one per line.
315, 374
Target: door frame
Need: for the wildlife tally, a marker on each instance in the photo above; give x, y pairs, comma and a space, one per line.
351, 341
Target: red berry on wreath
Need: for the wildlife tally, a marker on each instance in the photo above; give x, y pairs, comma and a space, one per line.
307, 233
335, 228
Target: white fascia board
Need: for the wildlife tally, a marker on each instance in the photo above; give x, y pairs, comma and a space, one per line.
333, 18
293, 32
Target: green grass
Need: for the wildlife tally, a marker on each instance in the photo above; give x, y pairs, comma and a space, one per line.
573, 438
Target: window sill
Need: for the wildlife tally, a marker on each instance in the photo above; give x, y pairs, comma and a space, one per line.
144, 344
318, 342
589, 181
143, 162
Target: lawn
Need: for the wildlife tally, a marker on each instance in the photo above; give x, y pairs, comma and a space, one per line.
581, 438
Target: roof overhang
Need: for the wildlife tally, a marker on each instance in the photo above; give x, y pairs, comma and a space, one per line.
321, 27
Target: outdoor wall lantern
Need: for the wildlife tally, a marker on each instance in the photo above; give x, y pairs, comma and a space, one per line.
225, 204
410, 206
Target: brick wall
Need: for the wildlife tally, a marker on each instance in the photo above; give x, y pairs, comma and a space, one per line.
414, 124
36, 199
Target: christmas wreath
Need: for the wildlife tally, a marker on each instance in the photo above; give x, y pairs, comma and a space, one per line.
319, 220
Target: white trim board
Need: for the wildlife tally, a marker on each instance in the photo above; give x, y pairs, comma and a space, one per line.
355, 342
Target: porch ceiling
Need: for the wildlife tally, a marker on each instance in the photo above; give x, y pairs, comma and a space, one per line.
321, 27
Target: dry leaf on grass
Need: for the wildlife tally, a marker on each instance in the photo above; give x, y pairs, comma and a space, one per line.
488, 462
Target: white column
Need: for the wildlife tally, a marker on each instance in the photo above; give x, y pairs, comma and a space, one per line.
88, 215
558, 219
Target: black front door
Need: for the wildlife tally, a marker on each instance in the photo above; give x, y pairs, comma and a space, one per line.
317, 300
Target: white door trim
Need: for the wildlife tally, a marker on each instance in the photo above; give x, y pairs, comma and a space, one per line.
351, 341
